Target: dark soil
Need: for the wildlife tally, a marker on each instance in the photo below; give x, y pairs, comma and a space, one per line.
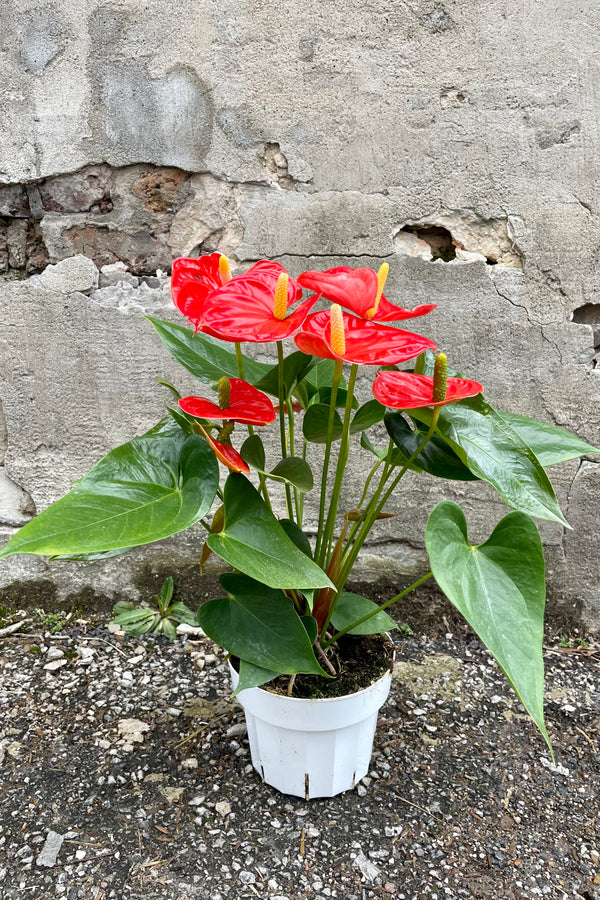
358, 662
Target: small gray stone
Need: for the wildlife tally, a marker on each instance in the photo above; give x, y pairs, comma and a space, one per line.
247, 877
55, 665
50, 850
77, 273
55, 653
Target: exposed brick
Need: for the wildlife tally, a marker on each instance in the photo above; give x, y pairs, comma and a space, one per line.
162, 190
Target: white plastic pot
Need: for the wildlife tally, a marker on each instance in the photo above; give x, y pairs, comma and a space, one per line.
312, 748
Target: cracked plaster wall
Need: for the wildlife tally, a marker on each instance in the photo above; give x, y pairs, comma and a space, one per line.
132, 139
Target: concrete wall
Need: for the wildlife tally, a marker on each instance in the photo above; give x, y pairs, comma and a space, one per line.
316, 133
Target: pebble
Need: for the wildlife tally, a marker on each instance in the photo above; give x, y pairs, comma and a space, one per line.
223, 807
50, 850
54, 653
247, 877
55, 665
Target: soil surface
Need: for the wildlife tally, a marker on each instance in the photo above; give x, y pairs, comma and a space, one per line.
125, 773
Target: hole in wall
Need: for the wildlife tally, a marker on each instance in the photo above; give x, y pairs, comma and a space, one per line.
460, 236
436, 237
589, 314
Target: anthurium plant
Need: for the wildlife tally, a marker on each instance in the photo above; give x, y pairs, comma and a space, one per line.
285, 603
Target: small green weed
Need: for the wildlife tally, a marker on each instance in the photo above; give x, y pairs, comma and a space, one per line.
52, 622
164, 620
405, 630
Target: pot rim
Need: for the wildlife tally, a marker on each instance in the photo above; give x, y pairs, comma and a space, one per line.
386, 675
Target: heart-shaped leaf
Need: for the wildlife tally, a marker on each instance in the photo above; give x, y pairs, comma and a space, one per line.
369, 414
550, 444
204, 356
252, 676
499, 588
253, 452
314, 426
294, 471
143, 491
260, 625
253, 541
350, 608
494, 452
437, 458
295, 367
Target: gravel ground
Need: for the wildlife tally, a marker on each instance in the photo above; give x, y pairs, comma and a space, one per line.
125, 773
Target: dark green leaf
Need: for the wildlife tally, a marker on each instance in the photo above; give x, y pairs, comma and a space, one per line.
437, 458
314, 426
312, 629
294, 471
254, 542
499, 588
323, 395
295, 367
550, 444
260, 625
494, 452
253, 452
369, 414
204, 356
146, 490
295, 533
252, 676
351, 607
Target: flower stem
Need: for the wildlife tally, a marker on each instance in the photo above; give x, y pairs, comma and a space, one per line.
282, 430
340, 468
374, 612
376, 505
337, 375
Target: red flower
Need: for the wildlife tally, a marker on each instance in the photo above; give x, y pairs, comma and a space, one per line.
337, 335
226, 454
361, 291
245, 404
405, 390
254, 307
192, 280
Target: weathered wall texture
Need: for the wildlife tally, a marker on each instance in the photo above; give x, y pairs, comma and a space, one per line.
459, 141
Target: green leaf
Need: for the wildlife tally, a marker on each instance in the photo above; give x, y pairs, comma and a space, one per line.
295, 533
294, 471
369, 414
252, 676
134, 616
253, 452
321, 376
291, 470
295, 367
204, 356
146, 490
168, 628
437, 458
494, 452
499, 588
314, 426
260, 625
253, 541
166, 593
180, 612
551, 445
351, 607
323, 395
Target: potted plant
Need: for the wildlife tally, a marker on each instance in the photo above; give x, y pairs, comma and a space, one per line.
286, 618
